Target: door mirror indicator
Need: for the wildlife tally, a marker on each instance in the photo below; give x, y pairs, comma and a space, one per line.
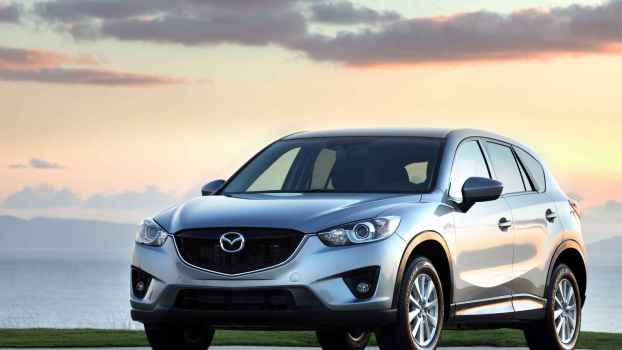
479, 189
212, 187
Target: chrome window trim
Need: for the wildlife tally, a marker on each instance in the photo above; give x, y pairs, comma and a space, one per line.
290, 258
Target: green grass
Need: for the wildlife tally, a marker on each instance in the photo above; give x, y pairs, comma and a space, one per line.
20, 338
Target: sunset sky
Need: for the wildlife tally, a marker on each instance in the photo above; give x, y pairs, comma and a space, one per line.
116, 108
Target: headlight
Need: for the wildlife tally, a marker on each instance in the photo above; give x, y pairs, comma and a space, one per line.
361, 231
151, 233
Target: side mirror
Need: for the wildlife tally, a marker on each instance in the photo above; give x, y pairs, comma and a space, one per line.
212, 187
479, 189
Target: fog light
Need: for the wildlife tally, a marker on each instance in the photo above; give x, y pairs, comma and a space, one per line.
140, 287
363, 288
362, 282
140, 282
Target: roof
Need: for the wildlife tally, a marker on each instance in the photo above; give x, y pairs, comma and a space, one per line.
423, 132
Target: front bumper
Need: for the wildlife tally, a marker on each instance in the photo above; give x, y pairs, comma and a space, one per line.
314, 275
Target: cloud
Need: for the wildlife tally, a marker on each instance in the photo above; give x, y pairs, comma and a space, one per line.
477, 36
196, 22
37, 163
22, 59
75, 10
151, 198
38, 197
87, 77
10, 13
384, 38
58, 68
252, 29
44, 164
345, 12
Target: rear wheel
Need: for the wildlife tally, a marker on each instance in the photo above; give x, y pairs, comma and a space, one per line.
343, 340
168, 337
560, 328
421, 310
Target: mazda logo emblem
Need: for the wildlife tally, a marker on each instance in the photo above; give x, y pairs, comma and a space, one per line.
232, 242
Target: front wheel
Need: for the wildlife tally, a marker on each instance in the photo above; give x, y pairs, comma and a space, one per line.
169, 337
421, 310
343, 340
560, 328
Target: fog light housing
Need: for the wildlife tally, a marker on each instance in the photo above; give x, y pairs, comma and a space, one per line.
362, 282
140, 282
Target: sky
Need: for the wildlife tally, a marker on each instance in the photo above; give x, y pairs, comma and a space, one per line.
116, 109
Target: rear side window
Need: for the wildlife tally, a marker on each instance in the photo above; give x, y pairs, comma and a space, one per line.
505, 167
469, 162
534, 169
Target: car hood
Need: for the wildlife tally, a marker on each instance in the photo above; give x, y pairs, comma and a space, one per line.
308, 212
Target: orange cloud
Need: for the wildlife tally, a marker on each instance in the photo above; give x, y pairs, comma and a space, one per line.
29, 59
54, 67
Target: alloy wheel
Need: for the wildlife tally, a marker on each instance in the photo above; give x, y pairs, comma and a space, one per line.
565, 312
423, 310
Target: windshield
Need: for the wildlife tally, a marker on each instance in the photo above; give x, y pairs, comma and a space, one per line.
341, 164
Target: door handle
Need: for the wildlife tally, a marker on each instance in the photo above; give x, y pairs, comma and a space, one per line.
550, 215
505, 224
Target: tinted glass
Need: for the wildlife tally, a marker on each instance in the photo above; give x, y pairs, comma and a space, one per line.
469, 162
534, 169
342, 164
505, 167
273, 178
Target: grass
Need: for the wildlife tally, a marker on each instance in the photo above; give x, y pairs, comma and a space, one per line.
51, 338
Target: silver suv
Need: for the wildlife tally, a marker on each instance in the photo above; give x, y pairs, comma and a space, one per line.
398, 232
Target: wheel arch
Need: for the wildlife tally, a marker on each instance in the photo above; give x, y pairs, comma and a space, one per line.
433, 246
571, 254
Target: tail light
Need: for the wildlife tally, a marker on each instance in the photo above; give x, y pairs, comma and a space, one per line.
575, 207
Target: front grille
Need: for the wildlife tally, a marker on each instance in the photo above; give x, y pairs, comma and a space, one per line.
235, 300
263, 248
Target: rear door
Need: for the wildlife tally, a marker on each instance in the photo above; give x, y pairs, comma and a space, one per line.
537, 229
530, 227
483, 258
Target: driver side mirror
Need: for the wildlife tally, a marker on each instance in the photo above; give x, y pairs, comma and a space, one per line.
479, 189
212, 187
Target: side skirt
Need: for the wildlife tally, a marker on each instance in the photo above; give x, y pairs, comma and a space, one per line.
502, 312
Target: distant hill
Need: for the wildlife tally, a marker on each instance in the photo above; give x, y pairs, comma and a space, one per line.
87, 238
605, 252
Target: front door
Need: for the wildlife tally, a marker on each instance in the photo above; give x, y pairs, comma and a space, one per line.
484, 242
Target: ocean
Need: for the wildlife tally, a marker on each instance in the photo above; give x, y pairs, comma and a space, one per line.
58, 290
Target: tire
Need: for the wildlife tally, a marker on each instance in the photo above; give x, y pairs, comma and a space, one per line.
168, 337
343, 340
399, 336
566, 305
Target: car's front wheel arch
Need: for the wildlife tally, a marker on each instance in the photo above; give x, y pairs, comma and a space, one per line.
431, 245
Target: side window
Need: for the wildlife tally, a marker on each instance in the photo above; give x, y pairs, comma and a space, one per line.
273, 178
506, 169
526, 181
469, 162
322, 168
533, 168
